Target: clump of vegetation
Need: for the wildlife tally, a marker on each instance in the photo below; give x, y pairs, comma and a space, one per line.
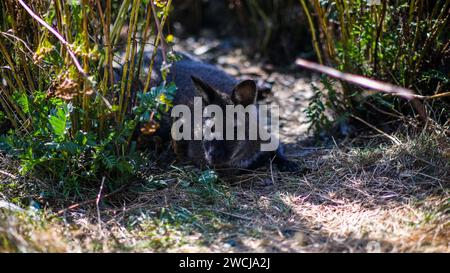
65, 112
401, 42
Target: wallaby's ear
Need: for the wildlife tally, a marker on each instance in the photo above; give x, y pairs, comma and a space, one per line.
244, 93
205, 90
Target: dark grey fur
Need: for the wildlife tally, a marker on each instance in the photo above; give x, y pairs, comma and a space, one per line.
194, 78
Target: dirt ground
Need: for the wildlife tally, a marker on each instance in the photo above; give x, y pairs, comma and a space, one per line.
359, 194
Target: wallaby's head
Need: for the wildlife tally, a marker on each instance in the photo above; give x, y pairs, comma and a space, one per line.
222, 152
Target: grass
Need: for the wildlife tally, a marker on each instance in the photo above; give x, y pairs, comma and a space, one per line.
372, 198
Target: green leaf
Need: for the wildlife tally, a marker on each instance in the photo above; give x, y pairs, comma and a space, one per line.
59, 121
22, 101
108, 160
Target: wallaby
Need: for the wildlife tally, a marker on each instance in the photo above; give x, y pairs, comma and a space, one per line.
194, 78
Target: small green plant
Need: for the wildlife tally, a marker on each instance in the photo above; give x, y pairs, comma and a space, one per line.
155, 102
208, 187
319, 112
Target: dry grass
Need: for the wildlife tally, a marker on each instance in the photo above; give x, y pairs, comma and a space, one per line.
382, 197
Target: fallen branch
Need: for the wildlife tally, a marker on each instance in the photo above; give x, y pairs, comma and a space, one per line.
368, 83
359, 80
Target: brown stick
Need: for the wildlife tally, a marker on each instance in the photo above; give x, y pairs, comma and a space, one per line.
368, 83
436, 96
160, 31
359, 80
